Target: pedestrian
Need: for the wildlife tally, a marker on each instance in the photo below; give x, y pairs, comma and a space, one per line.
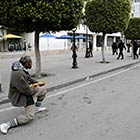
114, 48
90, 49
128, 47
23, 90
135, 49
121, 46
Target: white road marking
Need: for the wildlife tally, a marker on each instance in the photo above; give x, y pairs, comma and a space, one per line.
76, 87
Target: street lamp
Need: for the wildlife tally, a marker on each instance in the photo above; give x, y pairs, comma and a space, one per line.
85, 24
74, 49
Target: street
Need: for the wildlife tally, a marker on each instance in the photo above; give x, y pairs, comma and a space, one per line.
104, 108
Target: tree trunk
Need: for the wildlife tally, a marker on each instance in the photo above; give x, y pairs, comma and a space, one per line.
37, 55
103, 49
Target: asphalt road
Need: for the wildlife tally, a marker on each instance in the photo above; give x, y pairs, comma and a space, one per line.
106, 108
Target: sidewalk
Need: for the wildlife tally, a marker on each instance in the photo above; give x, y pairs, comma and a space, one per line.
60, 73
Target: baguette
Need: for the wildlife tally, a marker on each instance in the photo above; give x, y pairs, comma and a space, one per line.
41, 83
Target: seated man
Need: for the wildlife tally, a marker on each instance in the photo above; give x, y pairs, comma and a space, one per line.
22, 93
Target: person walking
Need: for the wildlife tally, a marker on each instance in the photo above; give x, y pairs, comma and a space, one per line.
23, 90
135, 49
121, 46
114, 48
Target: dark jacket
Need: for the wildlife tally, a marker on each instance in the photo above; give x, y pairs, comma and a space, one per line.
121, 46
114, 45
20, 93
135, 45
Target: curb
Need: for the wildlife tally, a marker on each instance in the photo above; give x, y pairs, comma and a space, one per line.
6, 100
89, 77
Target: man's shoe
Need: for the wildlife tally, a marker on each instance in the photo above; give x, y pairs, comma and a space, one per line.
40, 109
4, 128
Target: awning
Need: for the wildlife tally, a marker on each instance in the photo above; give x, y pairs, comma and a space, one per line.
47, 36
12, 36
64, 37
80, 37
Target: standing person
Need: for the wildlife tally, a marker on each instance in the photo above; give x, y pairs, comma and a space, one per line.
121, 46
90, 49
22, 92
114, 48
128, 47
135, 48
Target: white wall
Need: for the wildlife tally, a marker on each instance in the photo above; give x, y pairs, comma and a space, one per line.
52, 44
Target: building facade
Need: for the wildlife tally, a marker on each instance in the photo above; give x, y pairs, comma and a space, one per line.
135, 8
